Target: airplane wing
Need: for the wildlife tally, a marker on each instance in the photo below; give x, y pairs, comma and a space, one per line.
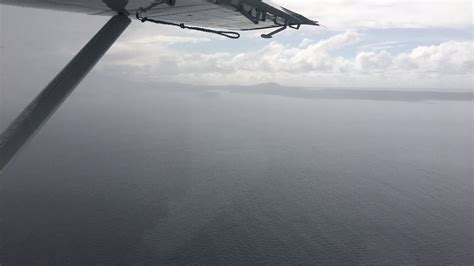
222, 14
202, 15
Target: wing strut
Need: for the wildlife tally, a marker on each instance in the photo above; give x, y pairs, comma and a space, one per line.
37, 113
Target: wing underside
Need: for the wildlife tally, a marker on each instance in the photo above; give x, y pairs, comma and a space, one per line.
223, 14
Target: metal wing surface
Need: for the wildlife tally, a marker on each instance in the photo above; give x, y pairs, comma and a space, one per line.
223, 14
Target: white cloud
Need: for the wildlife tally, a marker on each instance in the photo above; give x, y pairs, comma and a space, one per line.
312, 63
318, 63
344, 14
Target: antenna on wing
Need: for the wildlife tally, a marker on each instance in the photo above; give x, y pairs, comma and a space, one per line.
284, 27
270, 35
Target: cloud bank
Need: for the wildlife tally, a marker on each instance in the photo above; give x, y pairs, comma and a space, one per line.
314, 63
371, 43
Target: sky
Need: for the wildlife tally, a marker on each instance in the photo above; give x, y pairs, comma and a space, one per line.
382, 44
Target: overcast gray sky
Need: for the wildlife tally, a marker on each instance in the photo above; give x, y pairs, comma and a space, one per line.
367, 44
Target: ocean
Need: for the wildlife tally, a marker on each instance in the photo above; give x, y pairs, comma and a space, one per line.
174, 174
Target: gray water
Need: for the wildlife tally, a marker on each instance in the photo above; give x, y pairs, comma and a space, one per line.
127, 173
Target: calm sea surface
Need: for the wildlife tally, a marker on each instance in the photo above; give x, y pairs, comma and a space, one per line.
144, 176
